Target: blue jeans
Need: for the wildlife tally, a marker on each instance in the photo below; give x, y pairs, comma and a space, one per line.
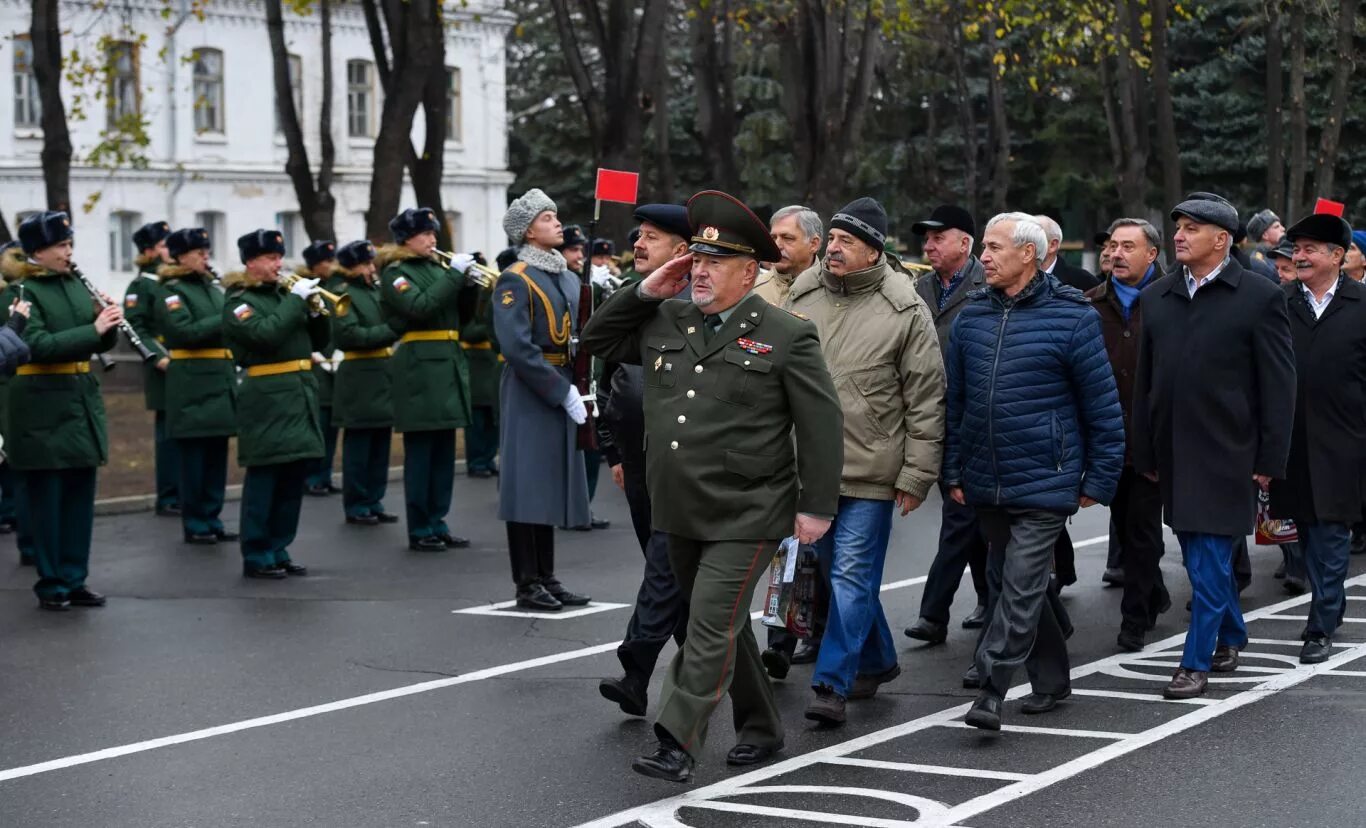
1216, 618
1327, 548
857, 639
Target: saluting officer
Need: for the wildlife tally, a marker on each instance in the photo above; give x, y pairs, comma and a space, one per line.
431, 383
139, 307
55, 436
201, 383
543, 484
743, 449
320, 262
362, 398
272, 332
486, 367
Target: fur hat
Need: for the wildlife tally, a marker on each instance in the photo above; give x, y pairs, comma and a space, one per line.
261, 243
320, 251
1259, 224
186, 239
44, 230
1323, 227
148, 235
573, 237
355, 253
604, 247
506, 259
413, 221
522, 212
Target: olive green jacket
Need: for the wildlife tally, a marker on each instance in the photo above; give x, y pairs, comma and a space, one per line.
56, 421
278, 417
431, 378
201, 394
480, 344
364, 395
139, 308
325, 376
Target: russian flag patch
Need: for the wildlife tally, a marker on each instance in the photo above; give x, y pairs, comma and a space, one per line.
173, 302
130, 301
402, 285
242, 312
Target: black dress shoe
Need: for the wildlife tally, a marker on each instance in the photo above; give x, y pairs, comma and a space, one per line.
206, 539
264, 573
363, 520
54, 604
669, 762
742, 755
537, 598
1130, 641
85, 598
569, 599
291, 568
1042, 702
331, 489
1186, 684
1225, 660
1280, 571
224, 536
427, 544
596, 522
9, 527
929, 631
480, 474
985, 713
168, 511
1316, 650
806, 651
1113, 577
629, 693
972, 680
776, 662
976, 619
317, 491
1294, 586
453, 541
385, 517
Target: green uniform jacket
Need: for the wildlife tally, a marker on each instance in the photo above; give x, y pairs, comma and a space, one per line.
480, 345
364, 395
7, 297
139, 308
278, 420
431, 378
720, 418
57, 421
201, 394
325, 376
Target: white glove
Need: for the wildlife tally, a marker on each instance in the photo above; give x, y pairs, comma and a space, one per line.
304, 288
461, 262
574, 406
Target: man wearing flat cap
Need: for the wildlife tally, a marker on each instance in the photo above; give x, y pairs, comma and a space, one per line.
139, 304
272, 332
1214, 401
1322, 488
320, 262
743, 448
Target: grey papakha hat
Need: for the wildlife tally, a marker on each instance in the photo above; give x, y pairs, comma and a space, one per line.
522, 212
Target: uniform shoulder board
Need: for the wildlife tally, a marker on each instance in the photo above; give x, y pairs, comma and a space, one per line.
797, 314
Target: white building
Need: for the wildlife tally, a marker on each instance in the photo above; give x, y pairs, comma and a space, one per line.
202, 81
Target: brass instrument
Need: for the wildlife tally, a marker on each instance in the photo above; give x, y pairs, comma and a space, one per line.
482, 275
341, 303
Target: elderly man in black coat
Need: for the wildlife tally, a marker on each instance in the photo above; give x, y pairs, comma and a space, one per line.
1213, 405
1322, 488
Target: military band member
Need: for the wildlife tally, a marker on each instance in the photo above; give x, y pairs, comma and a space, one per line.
201, 383
320, 262
431, 385
486, 367
272, 332
574, 248
362, 398
139, 307
13, 263
543, 485
55, 434
732, 387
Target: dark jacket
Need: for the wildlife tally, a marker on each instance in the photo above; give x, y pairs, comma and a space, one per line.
362, 395
1076, 277
1214, 399
201, 389
1121, 344
929, 288
13, 350
139, 308
1323, 479
1257, 263
1034, 418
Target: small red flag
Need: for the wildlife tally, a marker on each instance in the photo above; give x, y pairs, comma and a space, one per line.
615, 185
1330, 208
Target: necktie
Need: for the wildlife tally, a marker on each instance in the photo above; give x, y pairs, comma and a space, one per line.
711, 324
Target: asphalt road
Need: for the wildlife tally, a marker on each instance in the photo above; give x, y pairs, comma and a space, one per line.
362, 696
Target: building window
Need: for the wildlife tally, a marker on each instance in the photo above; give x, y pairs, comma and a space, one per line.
208, 90
291, 227
124, 94
296, 91
453, 120
217, 225
360, 92
28, 107
121, 253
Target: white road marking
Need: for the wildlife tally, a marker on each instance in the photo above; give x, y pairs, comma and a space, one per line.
1306, 618
936, 770
1048, 731
1348, 673
1121, 694
501, 610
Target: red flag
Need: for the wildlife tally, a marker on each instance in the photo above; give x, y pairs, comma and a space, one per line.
615, 185
1331, 208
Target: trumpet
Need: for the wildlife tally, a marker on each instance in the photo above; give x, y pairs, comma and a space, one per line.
482, 275
340, 302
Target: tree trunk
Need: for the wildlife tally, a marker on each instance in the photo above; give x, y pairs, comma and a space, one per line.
428, 168
1275, 127
966, 118
665, 180
1168, 151
45, 33
1331, 133
1299, 125
316, 204
1000, 128
5, 236
1132, 133
714, 91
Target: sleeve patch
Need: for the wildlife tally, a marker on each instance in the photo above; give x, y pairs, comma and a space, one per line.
173, 302
130, 301
507, 298
242, 312
402, 285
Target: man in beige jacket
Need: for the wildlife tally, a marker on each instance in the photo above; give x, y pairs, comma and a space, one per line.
796, 230
880, 345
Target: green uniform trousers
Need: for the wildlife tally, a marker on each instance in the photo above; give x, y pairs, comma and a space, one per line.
272, 497
167, 465
428, 480
720, 654
320, 470
203, 483
481, 439
13, 483
365, 470
9, 495
60, 507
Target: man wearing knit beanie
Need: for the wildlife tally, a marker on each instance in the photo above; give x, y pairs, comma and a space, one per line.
865, 219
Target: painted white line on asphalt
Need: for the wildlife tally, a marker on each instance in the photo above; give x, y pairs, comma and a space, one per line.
500, 610
935, 770
1306, 618
1149, 697
1049, 731
1091, 541
924, 807
1348, 673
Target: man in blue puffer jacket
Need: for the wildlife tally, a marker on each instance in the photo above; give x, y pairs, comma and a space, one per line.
1034, 431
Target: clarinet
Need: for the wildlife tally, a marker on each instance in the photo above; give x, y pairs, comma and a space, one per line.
146, 353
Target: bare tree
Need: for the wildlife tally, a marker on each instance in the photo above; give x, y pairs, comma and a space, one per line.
45, 32
713, 65
317, 206
1000, 126
1168, 151
1331, 134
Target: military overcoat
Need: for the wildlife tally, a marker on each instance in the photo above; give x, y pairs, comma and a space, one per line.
201, 388
139, 308
363, 395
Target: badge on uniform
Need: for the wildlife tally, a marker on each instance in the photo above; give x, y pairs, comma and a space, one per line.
659, 360
753, 347
173, 302
507, 298
402, 285
242, 312
130, 301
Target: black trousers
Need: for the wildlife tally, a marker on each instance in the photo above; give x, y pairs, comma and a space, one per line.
661, 611
531, 548
1137, 515
961, 544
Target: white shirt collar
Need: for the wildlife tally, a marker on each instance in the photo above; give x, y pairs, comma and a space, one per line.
1318, 307
1192, 285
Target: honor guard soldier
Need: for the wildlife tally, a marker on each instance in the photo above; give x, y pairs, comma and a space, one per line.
431, 384
13, 264
743, 449
201, 383
486, 367
139, 308
362, 398
320, 262
543, 484
273, 331
55, 433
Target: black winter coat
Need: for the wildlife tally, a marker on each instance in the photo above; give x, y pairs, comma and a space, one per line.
1214, 399
13, 349
1323, 480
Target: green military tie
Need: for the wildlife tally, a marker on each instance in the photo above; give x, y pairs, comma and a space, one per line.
711, 324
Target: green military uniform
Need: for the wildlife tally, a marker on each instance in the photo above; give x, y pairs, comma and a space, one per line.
431, 384
55, 431
279, 431
726, 476
363, 403
319, 481
486, 369
201, 395
12, 264
139, 308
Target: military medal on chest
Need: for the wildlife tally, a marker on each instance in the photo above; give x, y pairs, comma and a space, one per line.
753, 347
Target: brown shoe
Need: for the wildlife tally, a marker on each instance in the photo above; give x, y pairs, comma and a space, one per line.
1225, 660
1186, 684
865, 687
827, 708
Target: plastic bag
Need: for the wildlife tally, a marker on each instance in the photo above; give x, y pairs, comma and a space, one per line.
792, 583
1271, 531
